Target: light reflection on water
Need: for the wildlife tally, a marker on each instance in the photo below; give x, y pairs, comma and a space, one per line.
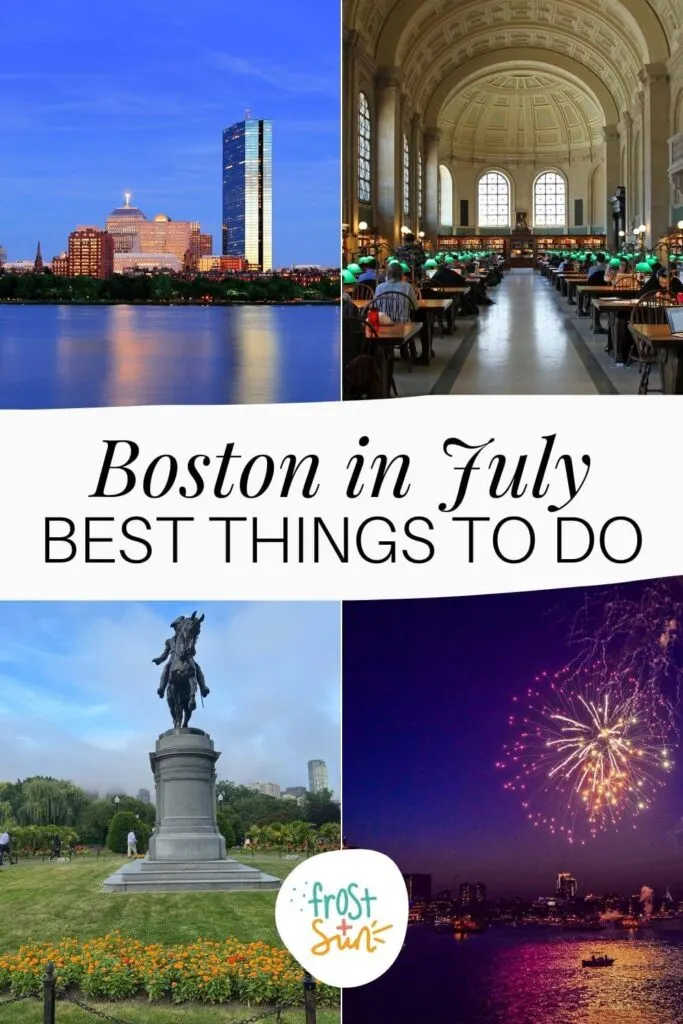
76, 356
528, 977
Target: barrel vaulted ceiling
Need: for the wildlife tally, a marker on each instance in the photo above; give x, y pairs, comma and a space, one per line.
596, 50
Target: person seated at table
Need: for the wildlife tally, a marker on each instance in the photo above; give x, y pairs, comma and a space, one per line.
566, 266
449, 275
623, 270
596, 274
369, 275
399, 313
612, 271
669, 283
658, 282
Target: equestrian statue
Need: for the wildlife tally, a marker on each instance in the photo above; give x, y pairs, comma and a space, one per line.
181, 676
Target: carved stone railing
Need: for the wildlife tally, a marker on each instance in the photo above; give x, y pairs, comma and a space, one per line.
676, 161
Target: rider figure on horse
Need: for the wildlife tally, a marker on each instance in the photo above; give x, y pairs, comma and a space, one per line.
167, 656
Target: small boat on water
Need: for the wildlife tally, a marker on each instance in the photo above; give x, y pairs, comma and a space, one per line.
598, 961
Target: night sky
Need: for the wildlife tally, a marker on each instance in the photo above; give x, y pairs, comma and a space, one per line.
427, 694
100, 98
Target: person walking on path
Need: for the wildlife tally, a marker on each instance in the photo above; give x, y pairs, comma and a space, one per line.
132, 844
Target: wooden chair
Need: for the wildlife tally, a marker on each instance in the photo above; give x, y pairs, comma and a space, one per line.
356, 347
627, 284
363, 291
650, 309
398, 307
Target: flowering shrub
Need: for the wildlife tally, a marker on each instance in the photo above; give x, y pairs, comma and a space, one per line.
115, 967
29, 840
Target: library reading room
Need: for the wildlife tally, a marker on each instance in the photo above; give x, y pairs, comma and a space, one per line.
512, 197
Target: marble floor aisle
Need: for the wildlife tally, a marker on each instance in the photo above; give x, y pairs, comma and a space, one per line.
530, 342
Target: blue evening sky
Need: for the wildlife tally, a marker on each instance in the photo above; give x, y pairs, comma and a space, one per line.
100, 98
78, 690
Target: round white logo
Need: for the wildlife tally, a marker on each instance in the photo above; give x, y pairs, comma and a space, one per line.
344, 915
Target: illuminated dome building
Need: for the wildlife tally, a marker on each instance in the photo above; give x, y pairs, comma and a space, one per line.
134, 233
122, 223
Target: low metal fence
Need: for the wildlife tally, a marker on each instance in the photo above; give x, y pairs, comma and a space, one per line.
51, 995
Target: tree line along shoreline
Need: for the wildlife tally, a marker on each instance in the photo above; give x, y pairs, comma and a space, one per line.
162, 290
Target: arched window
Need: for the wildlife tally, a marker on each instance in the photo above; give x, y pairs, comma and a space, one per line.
406, 175
445, 197
550, 200
494, 200
364, 152
420, 196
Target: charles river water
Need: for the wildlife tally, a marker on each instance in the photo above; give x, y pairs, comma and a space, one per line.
528, 976
83, 356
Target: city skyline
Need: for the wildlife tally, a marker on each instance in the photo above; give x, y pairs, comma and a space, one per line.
427, 791
123, 123
70, 708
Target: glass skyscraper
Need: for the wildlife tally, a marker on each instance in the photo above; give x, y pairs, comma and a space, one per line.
248, 192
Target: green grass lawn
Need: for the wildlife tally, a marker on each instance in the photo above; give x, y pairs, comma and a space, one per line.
47, 902
135, 1013
44, 902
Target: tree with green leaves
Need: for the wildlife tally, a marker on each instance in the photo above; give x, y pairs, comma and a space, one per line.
319, 808
226, 829
121, 824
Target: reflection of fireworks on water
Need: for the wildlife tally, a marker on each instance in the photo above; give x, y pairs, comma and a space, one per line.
590, 751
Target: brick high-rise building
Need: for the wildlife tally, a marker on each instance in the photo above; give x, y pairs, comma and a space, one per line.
200, 244
221, 264
60, 265
91, 253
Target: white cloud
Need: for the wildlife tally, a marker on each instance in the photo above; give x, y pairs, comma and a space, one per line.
289, 80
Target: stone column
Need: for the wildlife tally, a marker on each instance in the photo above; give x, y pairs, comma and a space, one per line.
184, 770
431, 156
350, 131
389, 154
610, 134
627, 122
415, 148
656, 113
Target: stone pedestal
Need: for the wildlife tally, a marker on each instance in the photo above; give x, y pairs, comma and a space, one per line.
185, 779
186, 850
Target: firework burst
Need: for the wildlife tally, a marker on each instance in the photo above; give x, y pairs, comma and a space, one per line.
590, 751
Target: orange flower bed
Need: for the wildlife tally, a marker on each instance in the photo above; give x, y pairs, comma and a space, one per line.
115, 967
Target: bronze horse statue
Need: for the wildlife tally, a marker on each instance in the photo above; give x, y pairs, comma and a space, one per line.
182, 675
